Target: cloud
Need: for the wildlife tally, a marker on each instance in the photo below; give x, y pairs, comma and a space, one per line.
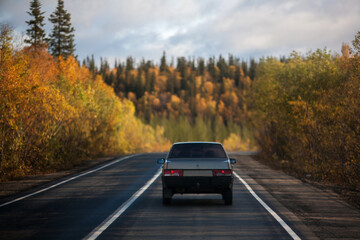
142, 28
272, 27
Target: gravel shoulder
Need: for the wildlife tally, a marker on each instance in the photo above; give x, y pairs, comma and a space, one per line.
13, 187
323, 211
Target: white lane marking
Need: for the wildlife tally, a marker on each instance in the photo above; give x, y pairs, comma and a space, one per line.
109, 220
274, 214
65, 181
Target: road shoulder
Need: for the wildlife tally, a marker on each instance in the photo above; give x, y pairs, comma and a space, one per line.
16, 186
323, 212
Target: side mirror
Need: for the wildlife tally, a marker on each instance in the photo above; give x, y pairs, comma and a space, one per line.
160, 161
232, 160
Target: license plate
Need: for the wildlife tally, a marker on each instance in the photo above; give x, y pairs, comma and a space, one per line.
197, 173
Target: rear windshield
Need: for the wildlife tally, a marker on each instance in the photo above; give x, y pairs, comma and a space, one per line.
197, 150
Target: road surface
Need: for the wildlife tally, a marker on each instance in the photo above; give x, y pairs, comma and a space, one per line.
122, 200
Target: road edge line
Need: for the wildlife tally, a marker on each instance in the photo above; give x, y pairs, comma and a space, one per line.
267, 208
67, 180
120, 210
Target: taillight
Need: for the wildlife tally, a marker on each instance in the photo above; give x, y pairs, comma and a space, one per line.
173, 173
225, 172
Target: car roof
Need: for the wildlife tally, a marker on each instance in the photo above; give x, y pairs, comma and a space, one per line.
196, 142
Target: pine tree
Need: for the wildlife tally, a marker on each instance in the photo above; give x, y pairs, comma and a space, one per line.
252, 69
62, 37
201, 66
163, 64
129, 64
36, 33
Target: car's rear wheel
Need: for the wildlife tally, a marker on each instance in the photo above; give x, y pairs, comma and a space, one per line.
167, 194
228, 197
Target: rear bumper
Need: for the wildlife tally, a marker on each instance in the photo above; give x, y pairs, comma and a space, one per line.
198, 184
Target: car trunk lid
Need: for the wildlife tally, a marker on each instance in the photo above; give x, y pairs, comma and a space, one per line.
197, 163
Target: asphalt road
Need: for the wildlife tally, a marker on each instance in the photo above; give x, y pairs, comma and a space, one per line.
76, 209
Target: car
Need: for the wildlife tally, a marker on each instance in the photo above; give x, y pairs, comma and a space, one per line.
197, 167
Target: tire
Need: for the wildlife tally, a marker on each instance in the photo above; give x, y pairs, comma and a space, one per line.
228, 197
166, 196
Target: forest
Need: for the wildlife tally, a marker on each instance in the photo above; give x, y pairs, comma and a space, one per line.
194, 100
301, 112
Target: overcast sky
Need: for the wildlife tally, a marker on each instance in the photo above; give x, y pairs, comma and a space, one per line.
145, 28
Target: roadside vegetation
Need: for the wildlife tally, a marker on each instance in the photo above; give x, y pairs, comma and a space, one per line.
306, 114
54, 114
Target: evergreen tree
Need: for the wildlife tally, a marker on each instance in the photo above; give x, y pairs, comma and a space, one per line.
171, 81
201, 66
152, 82
223, 67
90, 64
140, 85
211, 67
129, 64
237, 77
104, 67
163, 64
191, 64
244, 67
62, 37
36, 33
252, 69
231, 60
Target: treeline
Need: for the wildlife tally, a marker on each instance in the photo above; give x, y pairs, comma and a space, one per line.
54, 114
194, 100
306, 114
60, 41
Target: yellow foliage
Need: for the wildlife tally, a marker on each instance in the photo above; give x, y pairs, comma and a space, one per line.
54, 114
228, 84
307, 115
200, 104
161, 83
156, 103
235, 143
211, 108
232, 70
131, 96
175, 100
198, 82
209, 88
134, 73
221, 107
